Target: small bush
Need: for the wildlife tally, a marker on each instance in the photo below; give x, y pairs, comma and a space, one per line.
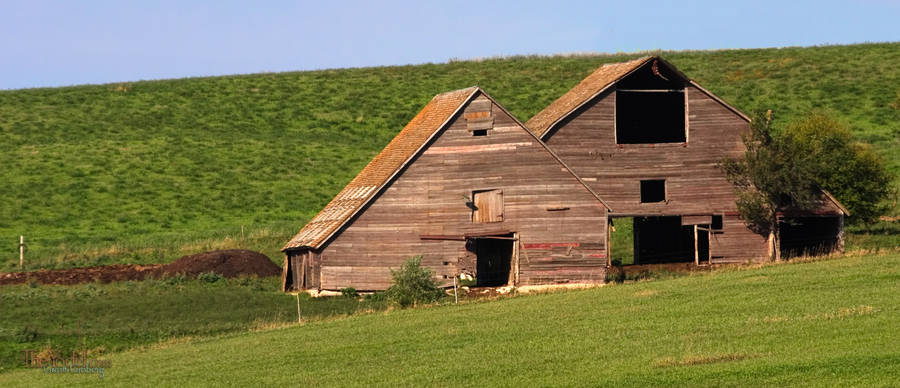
376, 297
210, 277
413, 284
349, 292
174, 280
615, 273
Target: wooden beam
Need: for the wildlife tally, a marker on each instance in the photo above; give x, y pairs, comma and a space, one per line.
650, 90
696, 253
442, 237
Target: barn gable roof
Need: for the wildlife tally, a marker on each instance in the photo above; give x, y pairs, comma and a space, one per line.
593, 85
390, 161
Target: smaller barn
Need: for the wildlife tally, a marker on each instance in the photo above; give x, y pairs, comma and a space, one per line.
468, 188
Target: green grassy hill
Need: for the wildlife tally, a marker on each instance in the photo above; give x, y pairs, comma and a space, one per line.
825, 323
147, 171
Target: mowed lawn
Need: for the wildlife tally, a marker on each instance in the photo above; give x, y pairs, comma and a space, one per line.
825, 323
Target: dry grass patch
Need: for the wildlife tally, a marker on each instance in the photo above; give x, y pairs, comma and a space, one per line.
702, 359
646, 293
841, 313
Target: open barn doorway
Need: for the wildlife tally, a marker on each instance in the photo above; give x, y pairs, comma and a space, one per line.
658, 240
809, 236
493, 259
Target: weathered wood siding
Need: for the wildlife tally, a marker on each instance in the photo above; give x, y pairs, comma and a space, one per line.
694, 184
429, 198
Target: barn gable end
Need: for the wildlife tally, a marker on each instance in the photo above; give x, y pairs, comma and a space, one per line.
649, 141
468, 188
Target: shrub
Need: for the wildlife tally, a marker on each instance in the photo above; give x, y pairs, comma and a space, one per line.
413, 284
349, 292
210, 277
615, 273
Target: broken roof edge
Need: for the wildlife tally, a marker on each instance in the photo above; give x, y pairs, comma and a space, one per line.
380, 188
639, 62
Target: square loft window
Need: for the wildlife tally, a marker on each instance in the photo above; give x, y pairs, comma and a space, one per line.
653, 191
650, 116
716, 222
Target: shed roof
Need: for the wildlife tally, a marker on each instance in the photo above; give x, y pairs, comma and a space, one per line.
596, 83
390, 161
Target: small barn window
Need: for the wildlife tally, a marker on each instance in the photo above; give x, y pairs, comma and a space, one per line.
650, 106
653, 191
479, 119
488, 206
716, 222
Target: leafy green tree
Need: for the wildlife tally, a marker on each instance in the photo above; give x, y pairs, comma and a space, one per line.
771, 175
413, 284
849, 170
789, 169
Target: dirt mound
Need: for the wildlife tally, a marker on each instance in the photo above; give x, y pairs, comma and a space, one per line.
228, 263
104, 274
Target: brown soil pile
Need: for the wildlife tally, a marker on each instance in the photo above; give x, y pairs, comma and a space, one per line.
228, 263
103, 274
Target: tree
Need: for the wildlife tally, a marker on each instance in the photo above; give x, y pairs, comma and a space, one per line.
849, 170
790, 169
771, 175
413, 284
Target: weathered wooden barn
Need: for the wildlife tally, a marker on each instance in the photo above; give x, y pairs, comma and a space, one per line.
648, 140
467, 187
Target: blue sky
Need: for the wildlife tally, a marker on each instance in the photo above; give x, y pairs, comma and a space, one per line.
47, 43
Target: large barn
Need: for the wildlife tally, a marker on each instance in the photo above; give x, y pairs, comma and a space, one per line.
468, 188
473, 191
649, 140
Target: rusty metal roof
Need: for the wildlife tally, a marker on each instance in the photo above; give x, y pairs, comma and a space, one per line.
380, 170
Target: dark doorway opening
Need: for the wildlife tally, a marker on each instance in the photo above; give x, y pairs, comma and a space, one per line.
663, 239
703, 244
493, 259
809, 236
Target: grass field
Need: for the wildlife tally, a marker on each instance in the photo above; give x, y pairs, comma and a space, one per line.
822, 323
118, 316
144, 172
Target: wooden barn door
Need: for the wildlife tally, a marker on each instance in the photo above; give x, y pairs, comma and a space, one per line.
488, 206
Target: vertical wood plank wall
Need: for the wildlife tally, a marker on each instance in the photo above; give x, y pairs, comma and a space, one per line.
429, 198
694, 184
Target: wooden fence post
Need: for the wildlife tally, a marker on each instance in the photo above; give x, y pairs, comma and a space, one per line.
299, 317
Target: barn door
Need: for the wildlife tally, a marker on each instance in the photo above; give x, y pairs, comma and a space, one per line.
488, 206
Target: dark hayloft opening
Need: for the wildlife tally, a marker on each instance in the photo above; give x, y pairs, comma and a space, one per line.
650, 106
650, 117
653, 191
479, 132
